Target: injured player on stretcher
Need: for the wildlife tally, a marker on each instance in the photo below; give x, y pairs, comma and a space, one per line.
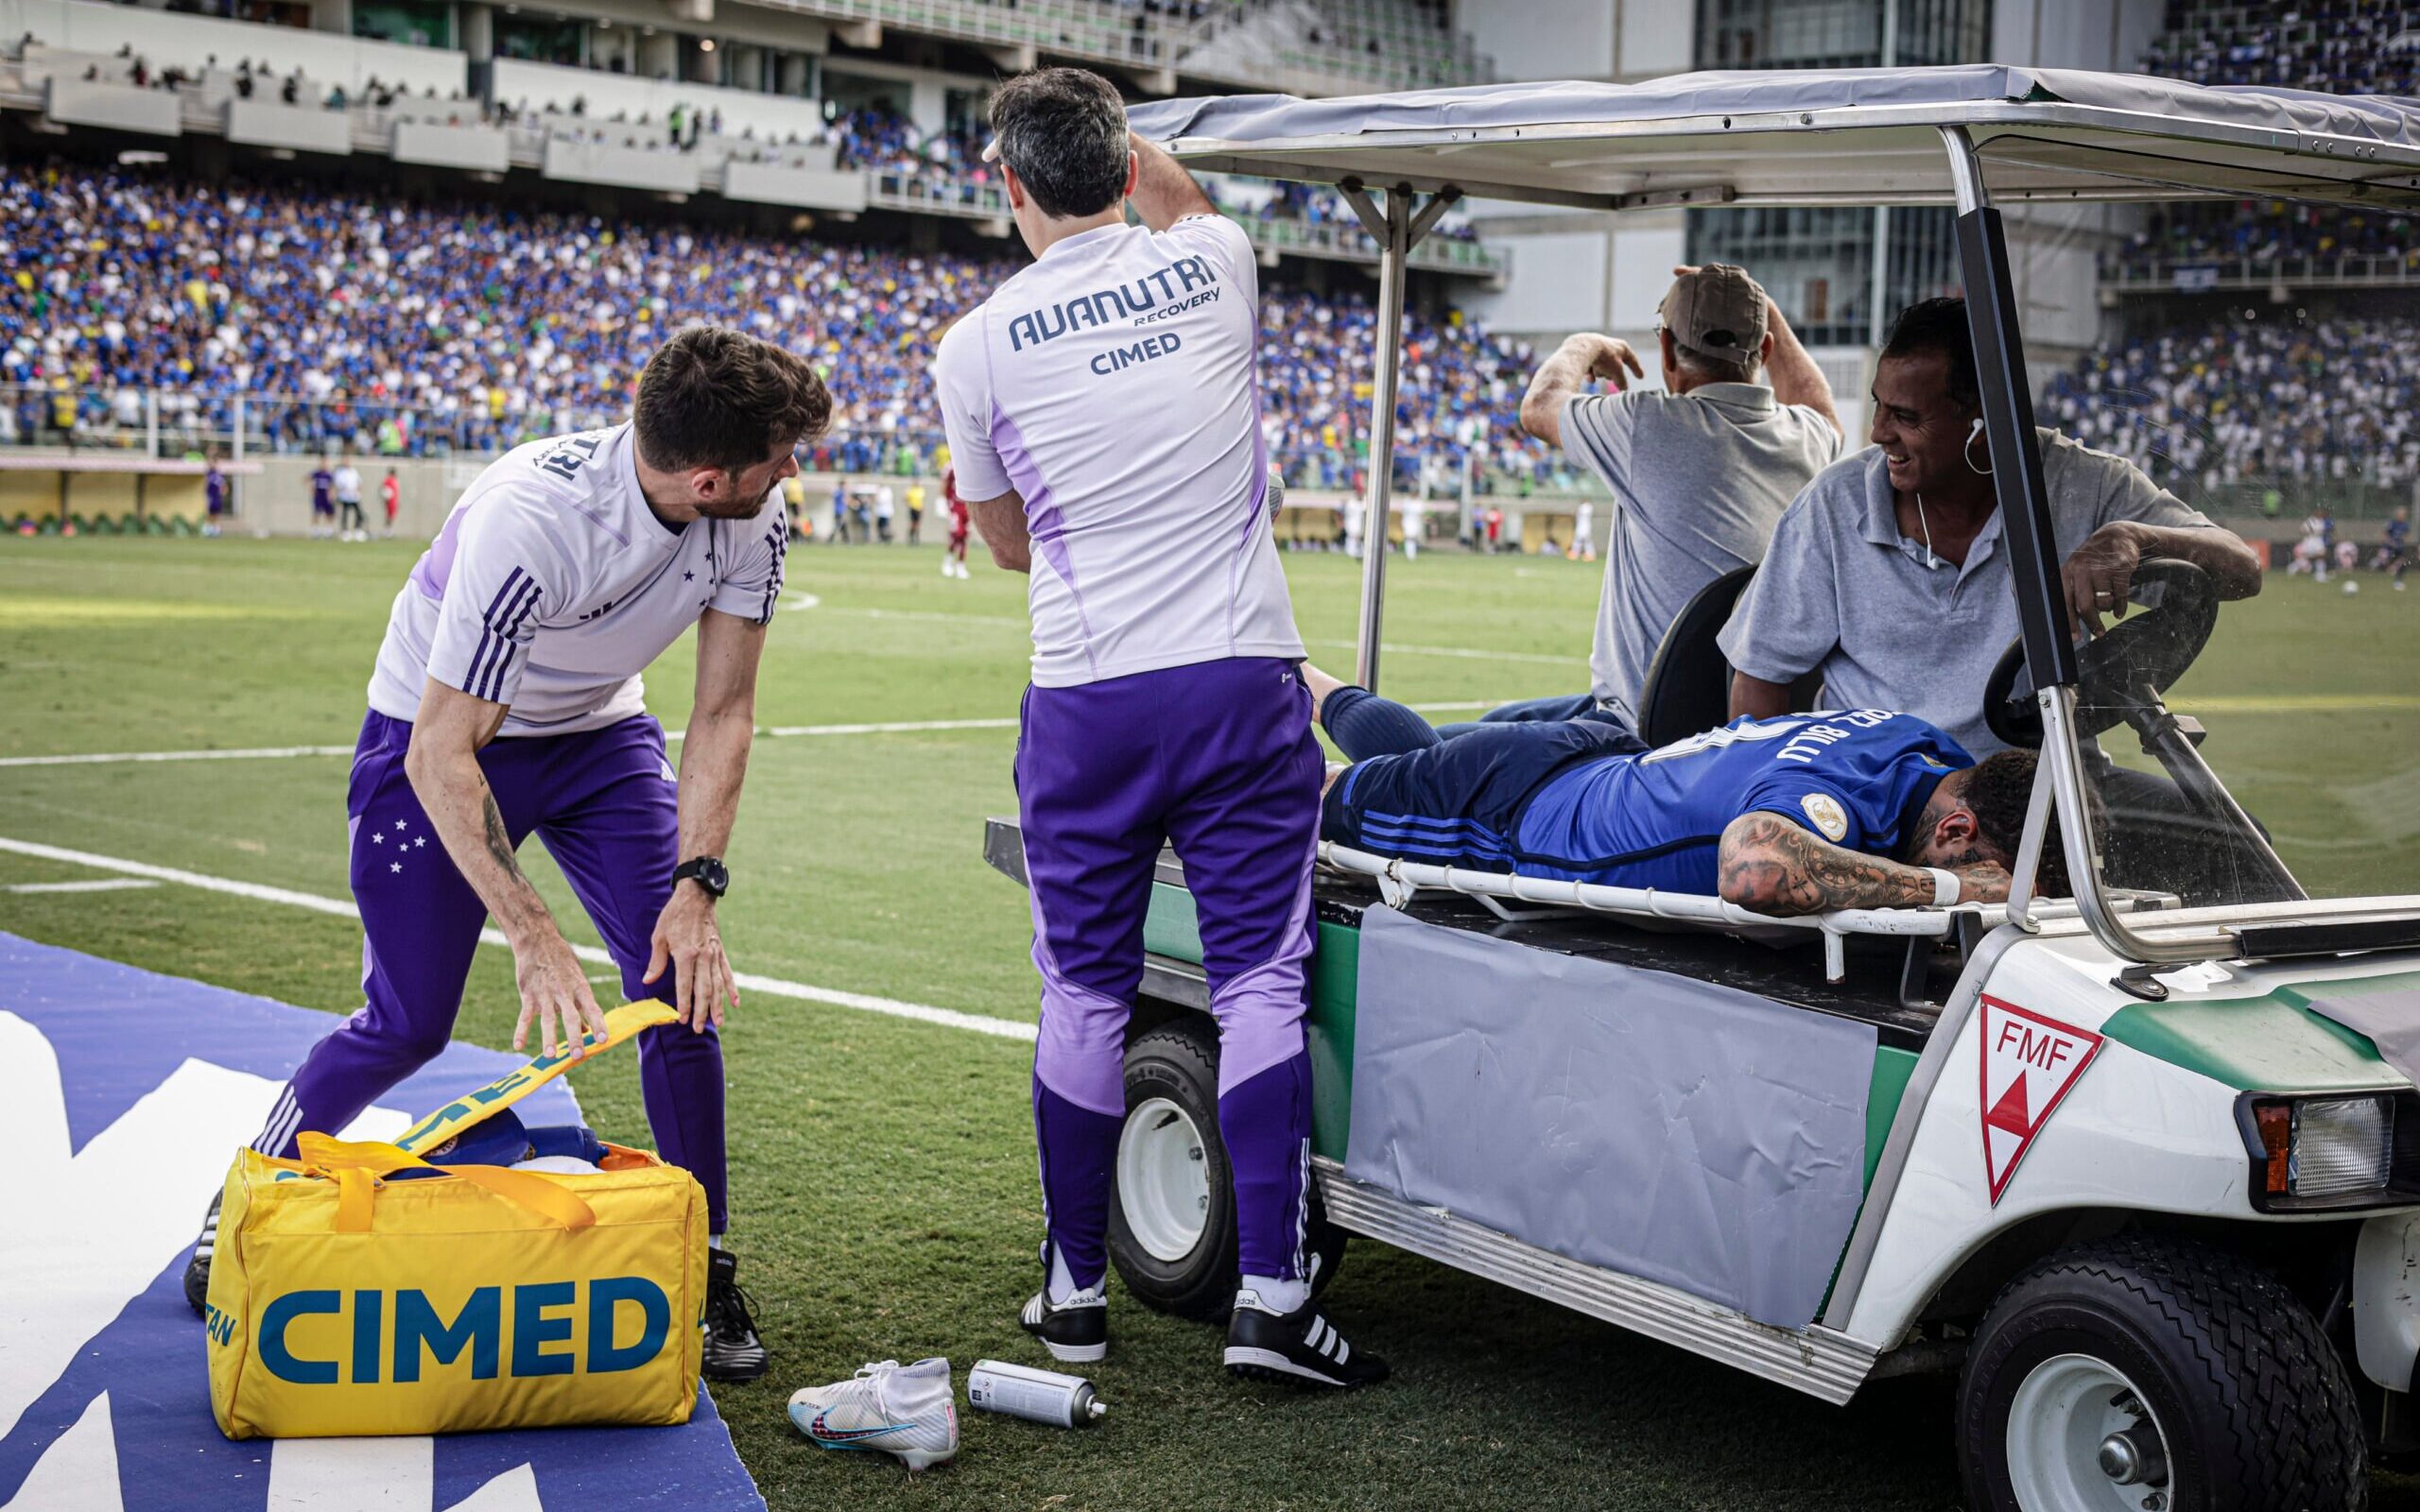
1798, 814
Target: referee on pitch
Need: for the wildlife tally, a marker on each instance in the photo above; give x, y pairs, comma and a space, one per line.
507, 702
1105, 429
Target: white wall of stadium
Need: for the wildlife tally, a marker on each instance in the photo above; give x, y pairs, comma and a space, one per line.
167, 38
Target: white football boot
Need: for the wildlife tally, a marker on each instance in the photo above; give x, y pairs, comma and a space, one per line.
907, 1411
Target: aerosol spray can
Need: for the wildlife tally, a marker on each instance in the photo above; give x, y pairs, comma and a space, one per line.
1037, 1395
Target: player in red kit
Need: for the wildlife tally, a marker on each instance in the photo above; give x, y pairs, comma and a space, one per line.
390, 493
954, 560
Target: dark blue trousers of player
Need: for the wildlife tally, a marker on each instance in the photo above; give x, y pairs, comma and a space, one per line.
604, 803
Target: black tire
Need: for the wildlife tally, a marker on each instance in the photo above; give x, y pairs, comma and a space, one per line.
1178, 1062
2256, 1409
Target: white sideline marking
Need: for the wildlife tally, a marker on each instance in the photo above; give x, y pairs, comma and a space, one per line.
97, 885
895, 727
748, 980
107, 758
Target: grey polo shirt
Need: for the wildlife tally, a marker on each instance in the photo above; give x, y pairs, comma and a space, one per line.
1841, 590
1699, 482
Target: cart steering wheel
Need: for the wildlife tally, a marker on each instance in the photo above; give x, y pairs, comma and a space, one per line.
2122, 670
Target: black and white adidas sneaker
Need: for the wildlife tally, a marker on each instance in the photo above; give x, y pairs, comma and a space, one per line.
1076, 1330
197, 1268
1299, 1348
731, 1351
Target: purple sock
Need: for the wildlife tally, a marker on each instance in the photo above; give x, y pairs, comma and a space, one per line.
1078, 1145
1266, 1123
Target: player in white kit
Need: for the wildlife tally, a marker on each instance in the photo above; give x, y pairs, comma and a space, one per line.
507, 702
1104, 421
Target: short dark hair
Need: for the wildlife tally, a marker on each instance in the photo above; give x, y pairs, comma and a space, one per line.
1997, 792
1064, 130
1938, 326
713, 396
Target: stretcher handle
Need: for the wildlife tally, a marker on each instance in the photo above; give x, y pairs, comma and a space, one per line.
357, 1164
625, 1022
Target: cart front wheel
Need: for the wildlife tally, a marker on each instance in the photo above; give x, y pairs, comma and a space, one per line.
1172, 1217
2145, 1376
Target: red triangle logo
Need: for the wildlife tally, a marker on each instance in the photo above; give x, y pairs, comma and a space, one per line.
2008, 1114
2027, 1066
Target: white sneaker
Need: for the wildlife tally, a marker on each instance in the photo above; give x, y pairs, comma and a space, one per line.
908, 1411
945, 568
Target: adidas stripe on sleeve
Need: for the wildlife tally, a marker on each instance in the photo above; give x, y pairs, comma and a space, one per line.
492, 606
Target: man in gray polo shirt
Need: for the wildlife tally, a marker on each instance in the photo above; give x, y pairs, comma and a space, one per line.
1700, 473
1889, 577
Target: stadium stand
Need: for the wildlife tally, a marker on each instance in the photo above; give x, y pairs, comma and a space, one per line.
2224, 411
420, 330
2339, 47
2242, 405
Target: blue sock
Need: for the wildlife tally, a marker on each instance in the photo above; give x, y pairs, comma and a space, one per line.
1364, 725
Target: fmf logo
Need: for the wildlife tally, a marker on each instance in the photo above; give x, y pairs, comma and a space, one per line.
2029, 1062
319, 1337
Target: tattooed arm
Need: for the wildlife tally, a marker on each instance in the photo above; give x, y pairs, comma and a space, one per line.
443, 766
1771, 866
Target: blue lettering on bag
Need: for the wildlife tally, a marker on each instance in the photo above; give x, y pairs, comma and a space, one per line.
274, 1354
655, 1309
541, 1317
478, 1326
368, 1312
532, 1329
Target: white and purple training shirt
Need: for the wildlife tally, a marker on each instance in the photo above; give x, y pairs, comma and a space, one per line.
552, 586
1111, 385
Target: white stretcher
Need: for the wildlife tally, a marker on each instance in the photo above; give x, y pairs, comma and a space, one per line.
1400, 881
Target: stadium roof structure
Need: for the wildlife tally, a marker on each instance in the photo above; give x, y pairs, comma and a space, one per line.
1857, 136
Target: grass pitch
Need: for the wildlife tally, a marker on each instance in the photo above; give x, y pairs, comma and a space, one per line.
882, 1170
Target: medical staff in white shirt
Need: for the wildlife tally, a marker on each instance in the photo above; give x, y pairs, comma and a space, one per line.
507, 702
1103, 418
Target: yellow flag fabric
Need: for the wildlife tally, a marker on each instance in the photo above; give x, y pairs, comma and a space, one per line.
359, 1290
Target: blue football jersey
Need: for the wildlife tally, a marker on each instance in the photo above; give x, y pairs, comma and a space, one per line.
1857, 777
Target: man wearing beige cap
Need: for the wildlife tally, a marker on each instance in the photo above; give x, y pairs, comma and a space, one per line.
1700, 473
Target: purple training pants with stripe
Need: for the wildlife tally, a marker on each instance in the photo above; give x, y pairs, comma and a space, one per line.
1219, 759
603, 802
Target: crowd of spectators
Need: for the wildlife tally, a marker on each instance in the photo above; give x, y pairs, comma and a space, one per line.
2266, 232
2237, 402
418, 330
2335, 47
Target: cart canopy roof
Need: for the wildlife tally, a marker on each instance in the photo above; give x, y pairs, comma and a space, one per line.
1820, 136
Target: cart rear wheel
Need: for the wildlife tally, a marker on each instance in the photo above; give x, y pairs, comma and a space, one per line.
1173, 1214
2145, 1376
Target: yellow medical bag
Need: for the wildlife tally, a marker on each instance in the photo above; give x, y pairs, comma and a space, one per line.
346, 1302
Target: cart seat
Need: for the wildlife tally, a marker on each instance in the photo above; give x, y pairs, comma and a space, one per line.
1688, 682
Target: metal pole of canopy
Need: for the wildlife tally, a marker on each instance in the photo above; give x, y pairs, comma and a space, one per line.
2033, 565
1397, 229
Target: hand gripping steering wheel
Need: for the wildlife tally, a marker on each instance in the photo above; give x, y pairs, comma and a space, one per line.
2123, 671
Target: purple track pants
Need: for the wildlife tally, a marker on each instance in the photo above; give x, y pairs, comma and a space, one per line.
603, 802
1219, 759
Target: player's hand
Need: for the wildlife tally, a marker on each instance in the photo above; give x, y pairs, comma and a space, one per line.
1982, 882
1607, 357
687, 939
554, 991
2099, 575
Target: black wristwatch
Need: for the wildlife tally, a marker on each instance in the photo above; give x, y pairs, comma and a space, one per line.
706, 871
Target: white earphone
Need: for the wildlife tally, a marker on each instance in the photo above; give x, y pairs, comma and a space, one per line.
1966, 453
1926, 525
